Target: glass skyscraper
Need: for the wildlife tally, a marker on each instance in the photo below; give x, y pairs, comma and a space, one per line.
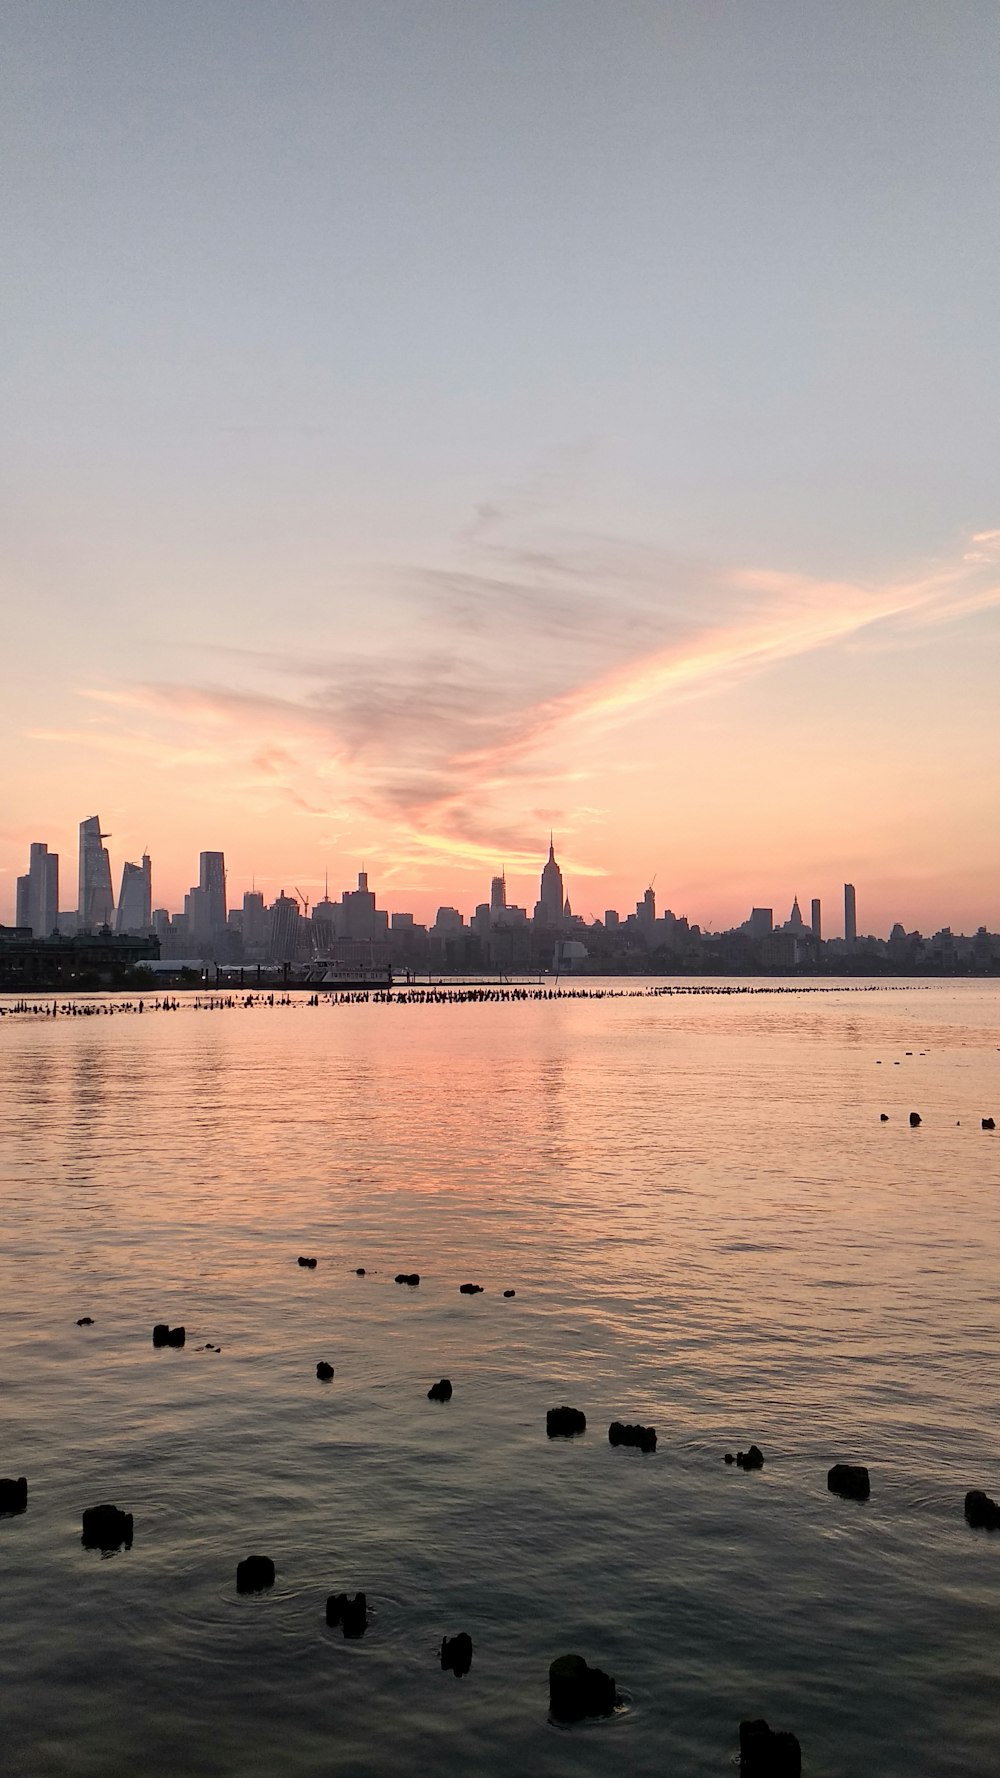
96, 905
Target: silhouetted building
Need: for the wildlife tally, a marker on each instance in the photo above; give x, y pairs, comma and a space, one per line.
549, 906
357, 917
135, 899
86, 960
196, 916
38, 892
795, 922
760, 923
212, 883
255, 925
645, 914
96, 904
498, 898
816, 919
283, 933
850, 914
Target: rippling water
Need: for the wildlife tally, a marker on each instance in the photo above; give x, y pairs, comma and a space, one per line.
708, 1229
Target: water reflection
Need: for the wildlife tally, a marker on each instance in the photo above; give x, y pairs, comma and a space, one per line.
708, 1231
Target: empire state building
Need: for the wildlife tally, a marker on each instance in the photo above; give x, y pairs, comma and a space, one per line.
549, 907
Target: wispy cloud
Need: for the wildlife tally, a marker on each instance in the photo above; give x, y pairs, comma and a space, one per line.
535, 641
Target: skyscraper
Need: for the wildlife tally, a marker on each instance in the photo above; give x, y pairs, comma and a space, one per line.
283, 934
255, 924
38, 891
816, 918
498, 898
212, 883
549, 907
850, 914
96, 905
645, 911
135, 899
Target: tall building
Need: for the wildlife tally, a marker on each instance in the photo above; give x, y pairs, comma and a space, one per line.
135, 898
197, 922
38, 892
96, 904
645, 911
816, 918
255, 924
212, 883
498, 898
850, 914
357, 916
551, 897
283, 931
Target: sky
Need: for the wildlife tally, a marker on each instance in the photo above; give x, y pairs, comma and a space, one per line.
430, 424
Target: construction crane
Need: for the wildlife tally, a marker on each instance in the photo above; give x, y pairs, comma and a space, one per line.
304, 899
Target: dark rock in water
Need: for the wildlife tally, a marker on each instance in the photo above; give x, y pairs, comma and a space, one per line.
13, 1494
324, 1371
915, 1119
510, 1293
576, 1690
644, 1437
351, 1614
106, 1528
85, 1321
254, 1574
359, 1272
175, 1336
883, 1117
728, 1457
440, 1391
470, 1289
989, 1123
311, 1263
563, 1422
752, 1459
161, 1334
407, 1277
850, 1479
981, 1512
768, 1753
456, 1653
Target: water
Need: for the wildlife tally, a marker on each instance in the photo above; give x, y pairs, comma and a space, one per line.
708, 1230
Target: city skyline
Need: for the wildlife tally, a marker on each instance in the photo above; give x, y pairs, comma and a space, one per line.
591, 433
211, 905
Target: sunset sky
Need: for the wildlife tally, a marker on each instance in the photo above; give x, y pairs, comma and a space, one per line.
426, 424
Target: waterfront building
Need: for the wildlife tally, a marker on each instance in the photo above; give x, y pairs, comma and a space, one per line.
816, 919
96, 903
